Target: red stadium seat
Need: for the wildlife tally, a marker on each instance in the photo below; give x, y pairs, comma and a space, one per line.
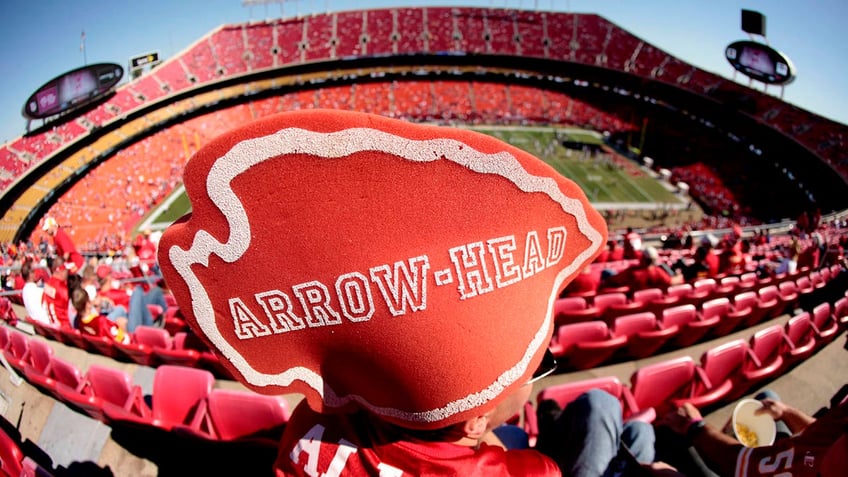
177, 394
657, 385
73, 337
113, 390
574, 310
692, 327
11, 455
765, 358
17, 351
771, 302
748, 303
800, 339
717, 375
825, 327
237, 415
4, 338
585, 345
789, 295
71, 387
644, 334
40, 354
729, 319
840, 312
565, 393
103, 345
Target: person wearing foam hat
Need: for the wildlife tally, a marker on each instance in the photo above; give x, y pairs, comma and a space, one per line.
65, 247
400, 276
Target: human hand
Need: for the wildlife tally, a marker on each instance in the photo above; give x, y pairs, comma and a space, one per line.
679, 420
661, 469
775, 409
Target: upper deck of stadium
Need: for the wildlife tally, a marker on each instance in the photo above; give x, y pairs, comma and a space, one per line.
236, 61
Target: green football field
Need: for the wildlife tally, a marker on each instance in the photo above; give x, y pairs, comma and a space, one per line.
603, 178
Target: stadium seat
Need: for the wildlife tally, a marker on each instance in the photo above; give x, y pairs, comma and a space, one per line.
178, 392
237, 415
771, 302
17, 351
113, 389
789, 295
644, 334
657, 385
825, 327
692, 327
40, 353
574, 310
748, 303
717, 374
655, 300
565, 393
585, 345
840, 312
4, 338
70, 386
765, 357
11, 455
103, 345
177, 354
800, 339
73, 337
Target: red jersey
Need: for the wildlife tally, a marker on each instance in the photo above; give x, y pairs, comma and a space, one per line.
352, 445
55, 299
812, 452
639, 277
99, 325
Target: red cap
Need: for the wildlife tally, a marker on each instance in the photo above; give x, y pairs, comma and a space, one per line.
365, 261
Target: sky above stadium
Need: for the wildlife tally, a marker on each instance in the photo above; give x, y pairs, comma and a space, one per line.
42, 38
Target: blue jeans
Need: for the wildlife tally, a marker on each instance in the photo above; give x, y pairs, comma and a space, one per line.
588, 434
139, 315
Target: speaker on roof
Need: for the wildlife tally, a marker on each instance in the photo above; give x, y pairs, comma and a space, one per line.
753, 22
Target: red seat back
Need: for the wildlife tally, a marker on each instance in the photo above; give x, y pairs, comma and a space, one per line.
766, 344
745, 300
177, 391
821, 315
630, 325
799, 330
655, 384
110, 384
647, 295
65, 373
566, 392
238, 414
715, 307
723, 361
39, 355
153, 337
679, 315
581, 332
604, 301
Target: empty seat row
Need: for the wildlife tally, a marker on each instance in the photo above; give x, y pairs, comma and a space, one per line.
183, 398
723, 374
149, 346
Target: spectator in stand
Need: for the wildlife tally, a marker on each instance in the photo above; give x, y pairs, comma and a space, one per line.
140, 306
818, 447
613, 253
65, 247
632, 244
56, 294
91, 322
32, 295
646, 274
584, 284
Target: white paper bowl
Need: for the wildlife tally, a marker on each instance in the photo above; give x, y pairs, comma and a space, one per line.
762, 425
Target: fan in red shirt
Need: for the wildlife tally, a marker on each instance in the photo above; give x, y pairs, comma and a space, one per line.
65, 247
55, 297
645, 274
